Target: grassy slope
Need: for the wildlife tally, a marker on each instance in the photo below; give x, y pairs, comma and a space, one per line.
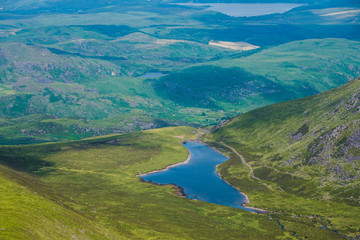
26, 214
86, 87
318, 64
306, 150
112, 57
96, 178
96, 98
285, 72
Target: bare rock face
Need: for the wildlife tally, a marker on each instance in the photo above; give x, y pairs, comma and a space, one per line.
337, 146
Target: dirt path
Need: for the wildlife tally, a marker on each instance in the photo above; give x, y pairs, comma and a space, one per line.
251, 170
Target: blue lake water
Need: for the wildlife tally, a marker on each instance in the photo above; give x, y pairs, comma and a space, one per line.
199, 180
245, 9
153, 75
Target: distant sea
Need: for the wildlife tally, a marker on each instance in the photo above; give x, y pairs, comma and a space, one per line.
245, 9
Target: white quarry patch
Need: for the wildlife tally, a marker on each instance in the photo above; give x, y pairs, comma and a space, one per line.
342, 13
242, 46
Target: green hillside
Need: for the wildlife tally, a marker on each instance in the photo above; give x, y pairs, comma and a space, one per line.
28, 212
95, 179
285, 72
76, 69
312, 65
303, 156
80, 81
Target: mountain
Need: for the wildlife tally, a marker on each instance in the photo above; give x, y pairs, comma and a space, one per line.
71, 71
303, 156
76, 69
60, 83
275, 74
301, 164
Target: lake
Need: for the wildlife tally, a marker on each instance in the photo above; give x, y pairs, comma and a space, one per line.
245, 9
199, 180
153, 75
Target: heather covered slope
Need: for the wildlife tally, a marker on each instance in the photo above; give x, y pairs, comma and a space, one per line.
304, 155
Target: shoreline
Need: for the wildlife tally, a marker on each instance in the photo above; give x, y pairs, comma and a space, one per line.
179, 191
247, 199
246, 196
168, 167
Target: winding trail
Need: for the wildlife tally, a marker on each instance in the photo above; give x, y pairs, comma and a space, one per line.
251, 172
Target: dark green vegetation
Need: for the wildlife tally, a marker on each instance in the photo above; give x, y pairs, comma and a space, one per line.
217, 87
89, 189
72, 69
304, 155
